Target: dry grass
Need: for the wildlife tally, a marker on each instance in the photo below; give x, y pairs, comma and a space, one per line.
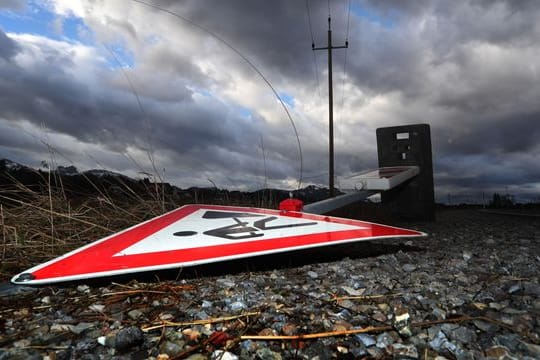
37, 226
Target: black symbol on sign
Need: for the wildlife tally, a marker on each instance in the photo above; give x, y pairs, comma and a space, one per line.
185, 233
243, 229
233, 232
226, 214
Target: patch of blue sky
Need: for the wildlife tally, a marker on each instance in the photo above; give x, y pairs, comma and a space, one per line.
153, 39
384, 21
75, 28
118, 56
287, 99
39, 20
29, 21
203, 92
244, 112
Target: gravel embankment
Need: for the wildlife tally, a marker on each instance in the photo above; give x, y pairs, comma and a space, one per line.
468, 291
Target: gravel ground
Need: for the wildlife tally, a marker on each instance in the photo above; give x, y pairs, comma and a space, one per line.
468, 291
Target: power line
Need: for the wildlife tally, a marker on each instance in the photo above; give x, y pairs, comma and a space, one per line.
348, 21
309, 21
237, 52
329, 15
150, 153
345, 61
316, 67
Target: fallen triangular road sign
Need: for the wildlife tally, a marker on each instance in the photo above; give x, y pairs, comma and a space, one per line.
201, 234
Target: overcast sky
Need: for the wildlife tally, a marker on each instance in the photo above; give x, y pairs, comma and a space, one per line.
128, 87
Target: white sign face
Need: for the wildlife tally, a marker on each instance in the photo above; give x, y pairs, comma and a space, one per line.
210, 227
199, 234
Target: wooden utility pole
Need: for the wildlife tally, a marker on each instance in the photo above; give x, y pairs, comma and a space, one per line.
329, 47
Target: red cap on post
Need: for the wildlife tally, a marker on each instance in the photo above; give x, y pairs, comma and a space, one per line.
291, 205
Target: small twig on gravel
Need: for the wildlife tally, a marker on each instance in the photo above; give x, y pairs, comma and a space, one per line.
371, 329
364, 297
123, 285
41, 307
167, 288
118, 296
46, 347
317, 335
134, 292
199, 322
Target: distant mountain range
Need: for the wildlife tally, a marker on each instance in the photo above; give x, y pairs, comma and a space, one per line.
99, 182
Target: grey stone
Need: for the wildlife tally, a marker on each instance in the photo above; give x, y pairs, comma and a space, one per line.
532, 349
83, 288
249, 346
379, 316
267, 354
376, 353
352, 291
510, 341
514, 288
358, 353
366, 339
497, 306
61, 327
206, 304
384, 340
463, 335
237, 306
128, 338
81, 327
135, 314
438, 341
9, 290
485, 326
401, 351
225, 283
439, 313
170, 348
62, 355
318, 350
86, 346
408, 267
530, 288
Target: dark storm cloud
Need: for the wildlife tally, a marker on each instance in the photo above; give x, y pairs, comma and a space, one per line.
51, 97
396, 8
396, 66
489, 172
274, 35
114, 119
516, 133
8, 48
202, 125
12, 4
